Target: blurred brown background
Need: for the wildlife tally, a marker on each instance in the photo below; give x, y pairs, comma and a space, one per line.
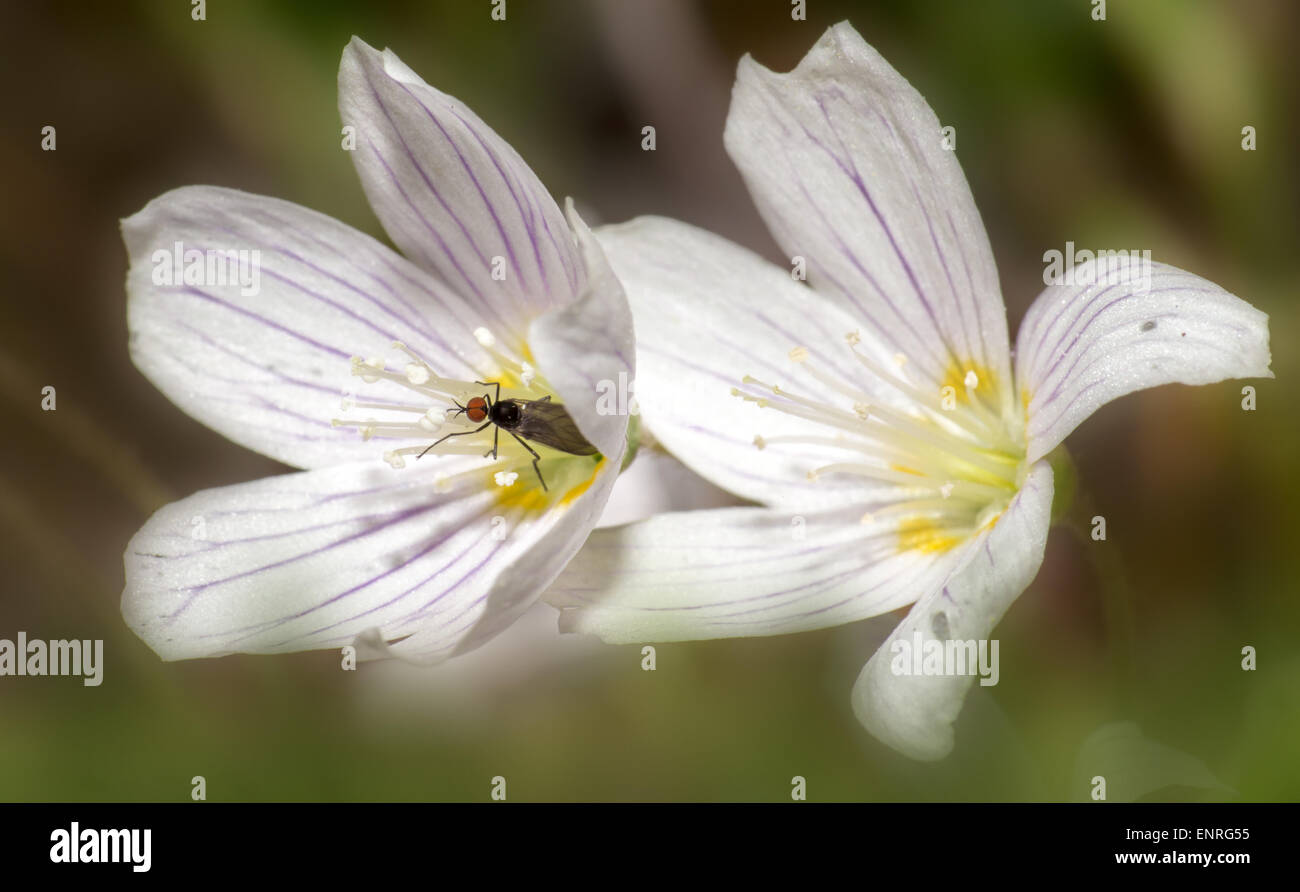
1123, 133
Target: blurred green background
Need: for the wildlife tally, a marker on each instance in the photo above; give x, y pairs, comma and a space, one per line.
1123, 133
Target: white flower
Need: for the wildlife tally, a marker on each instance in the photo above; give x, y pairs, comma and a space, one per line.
422, 556
901, 449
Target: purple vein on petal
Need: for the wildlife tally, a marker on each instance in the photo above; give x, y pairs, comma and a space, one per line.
196, 590
465, 165
190, 289
430, 547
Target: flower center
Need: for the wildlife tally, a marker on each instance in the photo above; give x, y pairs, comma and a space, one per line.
950, 460
454, 418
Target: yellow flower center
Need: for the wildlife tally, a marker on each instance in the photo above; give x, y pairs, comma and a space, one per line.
452, 416
949, 459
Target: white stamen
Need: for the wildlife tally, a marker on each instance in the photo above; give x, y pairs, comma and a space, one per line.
439, 407
430, 422
360, 366
954, 469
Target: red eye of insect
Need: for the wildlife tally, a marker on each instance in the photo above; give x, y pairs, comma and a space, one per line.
476, 409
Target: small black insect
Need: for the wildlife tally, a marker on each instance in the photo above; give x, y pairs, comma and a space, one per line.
541, 420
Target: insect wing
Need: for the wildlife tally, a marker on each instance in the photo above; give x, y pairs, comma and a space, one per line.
550, 424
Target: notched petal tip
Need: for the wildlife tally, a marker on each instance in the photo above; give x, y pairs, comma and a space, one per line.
453, 195
847, 165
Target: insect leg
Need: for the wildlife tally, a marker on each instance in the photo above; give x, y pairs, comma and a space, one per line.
496, 434
449, 436
496, 384
536, 458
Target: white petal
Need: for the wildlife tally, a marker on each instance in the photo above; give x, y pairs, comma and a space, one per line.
453, 195
846, 163
587, 348
707, 313
740, 572
914, 714
656, 483
318, 558
269, 369
1081, 346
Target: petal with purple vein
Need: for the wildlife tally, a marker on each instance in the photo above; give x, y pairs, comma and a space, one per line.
318, 558
708, 313
1134, 325
454, 196
846, 162
914, 713
738, 572
587, 348
266, 360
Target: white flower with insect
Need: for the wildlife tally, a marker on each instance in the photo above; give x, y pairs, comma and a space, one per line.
887, 409
468, 461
